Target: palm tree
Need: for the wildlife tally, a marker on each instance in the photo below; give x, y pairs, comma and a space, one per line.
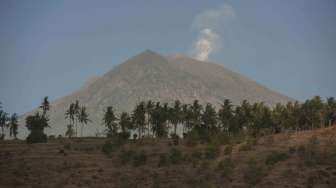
70, 132
125, 123
110, 122
176, 115
83, 118
149, 109
3, 123
45, 106
196, 110
70, 114
158, 121
139, 118
13, 125
225, 115
77, 114
209, 119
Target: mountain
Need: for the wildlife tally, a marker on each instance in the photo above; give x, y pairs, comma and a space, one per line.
151, 76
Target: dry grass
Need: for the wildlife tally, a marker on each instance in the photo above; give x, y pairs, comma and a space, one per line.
81, 163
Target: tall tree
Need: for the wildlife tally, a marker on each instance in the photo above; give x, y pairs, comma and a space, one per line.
13, 125
3, 122
225, 115
77, 114
139, 118
149, 109
70, 115
196, 110
209, 119
110, 121
83, 118
45, 106
176, 115
125, 124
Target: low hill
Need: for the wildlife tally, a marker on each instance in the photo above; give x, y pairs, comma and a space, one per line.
303, 159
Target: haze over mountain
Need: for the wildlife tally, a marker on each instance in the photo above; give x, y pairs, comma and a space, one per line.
151, 76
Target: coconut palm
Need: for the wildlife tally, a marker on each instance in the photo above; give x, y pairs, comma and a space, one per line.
110, 121
13, 125
139, 118
225, 115
83, 118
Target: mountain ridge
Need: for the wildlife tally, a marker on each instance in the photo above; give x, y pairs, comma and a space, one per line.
151, 76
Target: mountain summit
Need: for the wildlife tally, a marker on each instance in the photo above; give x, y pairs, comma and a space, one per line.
151, 76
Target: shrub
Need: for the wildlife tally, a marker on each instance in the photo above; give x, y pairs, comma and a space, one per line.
248, 145
175, 156
163, 160
310, 153
126, 156
254, 173
108, 147
36, 137
212, 151
226, 167
275, 157
196, 155
139, 158
67, 146
175, 139
228, 150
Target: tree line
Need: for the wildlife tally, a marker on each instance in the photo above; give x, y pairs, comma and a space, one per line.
163, 119
176, 119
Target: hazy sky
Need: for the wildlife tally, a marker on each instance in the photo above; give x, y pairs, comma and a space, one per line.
52, 47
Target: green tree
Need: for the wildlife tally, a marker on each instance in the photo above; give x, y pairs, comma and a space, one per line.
176, 115
139, 118
158, 119
110, 121
70, 115
3, 122
83, 118
13, 125
45, 106
196, 110
149, 109
225, 116
209, 119
125, 124
36, 124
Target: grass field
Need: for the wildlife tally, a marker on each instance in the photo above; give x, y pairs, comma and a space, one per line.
303, 159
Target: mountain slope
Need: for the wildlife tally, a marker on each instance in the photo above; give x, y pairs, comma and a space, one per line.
150, 76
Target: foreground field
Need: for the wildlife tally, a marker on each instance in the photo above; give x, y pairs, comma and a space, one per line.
304, 159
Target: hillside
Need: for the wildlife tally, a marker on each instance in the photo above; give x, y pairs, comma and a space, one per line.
303, 159
151, 76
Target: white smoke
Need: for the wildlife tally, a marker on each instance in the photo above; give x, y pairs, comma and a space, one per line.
209, 23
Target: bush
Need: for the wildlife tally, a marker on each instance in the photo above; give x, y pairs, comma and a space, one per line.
248, 145
108, 147
126, 156
163, 160
228, 150
254, 173
196, 155
275, 157
139, 158
310, 153
36, 137
212, 151
175, 139
226, 167
175, 156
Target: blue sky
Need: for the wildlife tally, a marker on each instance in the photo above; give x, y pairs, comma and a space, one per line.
52, 47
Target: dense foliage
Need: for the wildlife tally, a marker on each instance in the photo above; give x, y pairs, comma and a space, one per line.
196, 120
